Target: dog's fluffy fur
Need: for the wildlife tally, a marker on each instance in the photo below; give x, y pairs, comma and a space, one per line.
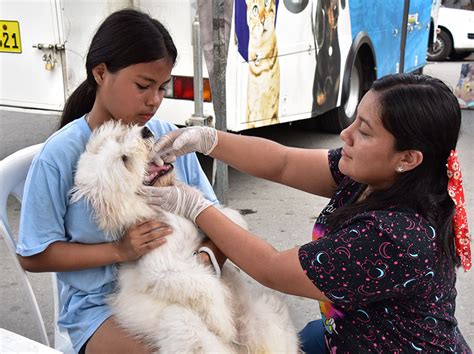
167, 298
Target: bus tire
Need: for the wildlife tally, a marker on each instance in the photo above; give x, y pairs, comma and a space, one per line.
339, 118
442, 47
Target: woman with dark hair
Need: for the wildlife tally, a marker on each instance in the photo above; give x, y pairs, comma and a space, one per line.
128, 67
385, 249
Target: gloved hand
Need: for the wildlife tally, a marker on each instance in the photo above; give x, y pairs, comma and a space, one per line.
183, 141
179, 199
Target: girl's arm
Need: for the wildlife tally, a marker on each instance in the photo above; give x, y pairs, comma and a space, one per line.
277, 270
64, 256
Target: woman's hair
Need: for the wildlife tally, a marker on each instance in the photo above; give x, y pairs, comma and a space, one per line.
125, 38
422, 114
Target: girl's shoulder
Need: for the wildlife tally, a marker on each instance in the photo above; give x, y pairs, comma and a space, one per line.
65, 145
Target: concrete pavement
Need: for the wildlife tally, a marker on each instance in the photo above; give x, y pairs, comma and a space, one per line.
279, 214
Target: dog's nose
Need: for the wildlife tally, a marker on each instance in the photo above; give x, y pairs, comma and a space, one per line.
146, 133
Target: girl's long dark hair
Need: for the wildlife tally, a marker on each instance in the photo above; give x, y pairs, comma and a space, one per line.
422, 114
125, 38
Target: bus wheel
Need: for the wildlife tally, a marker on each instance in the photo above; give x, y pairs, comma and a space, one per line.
341, 117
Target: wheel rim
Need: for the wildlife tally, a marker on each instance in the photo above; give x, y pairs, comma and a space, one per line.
353, 99
438, 47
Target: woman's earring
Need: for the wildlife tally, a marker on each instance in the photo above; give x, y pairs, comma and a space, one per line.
400, 169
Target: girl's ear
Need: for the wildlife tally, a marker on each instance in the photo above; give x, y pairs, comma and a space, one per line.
411, 159
98, 73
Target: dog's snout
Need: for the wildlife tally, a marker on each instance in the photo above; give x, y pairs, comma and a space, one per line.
146, 133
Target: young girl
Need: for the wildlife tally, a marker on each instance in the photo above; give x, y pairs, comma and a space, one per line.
128, 67
385, 249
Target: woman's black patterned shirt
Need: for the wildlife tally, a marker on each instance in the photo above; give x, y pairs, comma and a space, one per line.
391, 291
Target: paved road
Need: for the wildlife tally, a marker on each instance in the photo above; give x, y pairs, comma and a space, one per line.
279, 214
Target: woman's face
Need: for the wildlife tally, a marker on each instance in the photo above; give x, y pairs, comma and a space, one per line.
368, 154
133, 94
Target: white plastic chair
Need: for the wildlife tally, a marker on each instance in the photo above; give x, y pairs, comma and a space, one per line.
13, 171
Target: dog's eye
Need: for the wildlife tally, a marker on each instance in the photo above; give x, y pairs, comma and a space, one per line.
124, 158
146, 133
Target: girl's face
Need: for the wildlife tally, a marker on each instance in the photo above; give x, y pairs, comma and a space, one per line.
368, 154
133, 94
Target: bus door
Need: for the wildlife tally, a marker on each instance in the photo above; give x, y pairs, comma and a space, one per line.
31, 55
418, 28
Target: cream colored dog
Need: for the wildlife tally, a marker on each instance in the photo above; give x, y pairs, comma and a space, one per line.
167, 297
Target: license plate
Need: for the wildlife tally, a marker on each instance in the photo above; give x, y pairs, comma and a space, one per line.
10, 37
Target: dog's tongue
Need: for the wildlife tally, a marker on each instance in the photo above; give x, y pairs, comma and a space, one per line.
152, 168
154, 171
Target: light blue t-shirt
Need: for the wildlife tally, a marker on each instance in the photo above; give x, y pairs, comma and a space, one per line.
47, 216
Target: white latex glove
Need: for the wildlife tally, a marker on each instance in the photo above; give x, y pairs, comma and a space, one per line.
179, 199
183, 141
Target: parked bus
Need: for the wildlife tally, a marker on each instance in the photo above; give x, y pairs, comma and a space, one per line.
287, 60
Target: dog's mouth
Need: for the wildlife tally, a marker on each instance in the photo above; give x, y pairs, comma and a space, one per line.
154, 172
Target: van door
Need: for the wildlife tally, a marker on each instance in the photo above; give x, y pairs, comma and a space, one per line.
31, 55
418, 29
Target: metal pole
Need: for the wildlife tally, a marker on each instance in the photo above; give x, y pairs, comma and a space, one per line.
198, 118
403, 40
219, 93
197, 54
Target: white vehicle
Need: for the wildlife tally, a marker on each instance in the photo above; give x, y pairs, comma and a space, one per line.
455, 32
288, 60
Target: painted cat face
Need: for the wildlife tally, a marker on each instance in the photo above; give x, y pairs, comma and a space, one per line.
332, 10
261, 19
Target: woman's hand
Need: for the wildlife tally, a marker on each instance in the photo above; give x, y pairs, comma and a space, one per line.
183, 141
142, 238
179, 199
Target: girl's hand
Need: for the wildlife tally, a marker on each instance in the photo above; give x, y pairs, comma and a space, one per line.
141, 238
183, 141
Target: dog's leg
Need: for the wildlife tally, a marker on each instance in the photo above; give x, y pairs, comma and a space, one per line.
262, 318
180, 330
171, 328
193, 285
268, 327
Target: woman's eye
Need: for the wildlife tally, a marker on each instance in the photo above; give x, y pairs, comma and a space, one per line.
141, 87
362, 133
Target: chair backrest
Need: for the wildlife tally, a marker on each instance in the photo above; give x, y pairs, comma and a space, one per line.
13, 171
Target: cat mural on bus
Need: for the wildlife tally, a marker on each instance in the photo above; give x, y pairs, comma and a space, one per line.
328, 55
258, 45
